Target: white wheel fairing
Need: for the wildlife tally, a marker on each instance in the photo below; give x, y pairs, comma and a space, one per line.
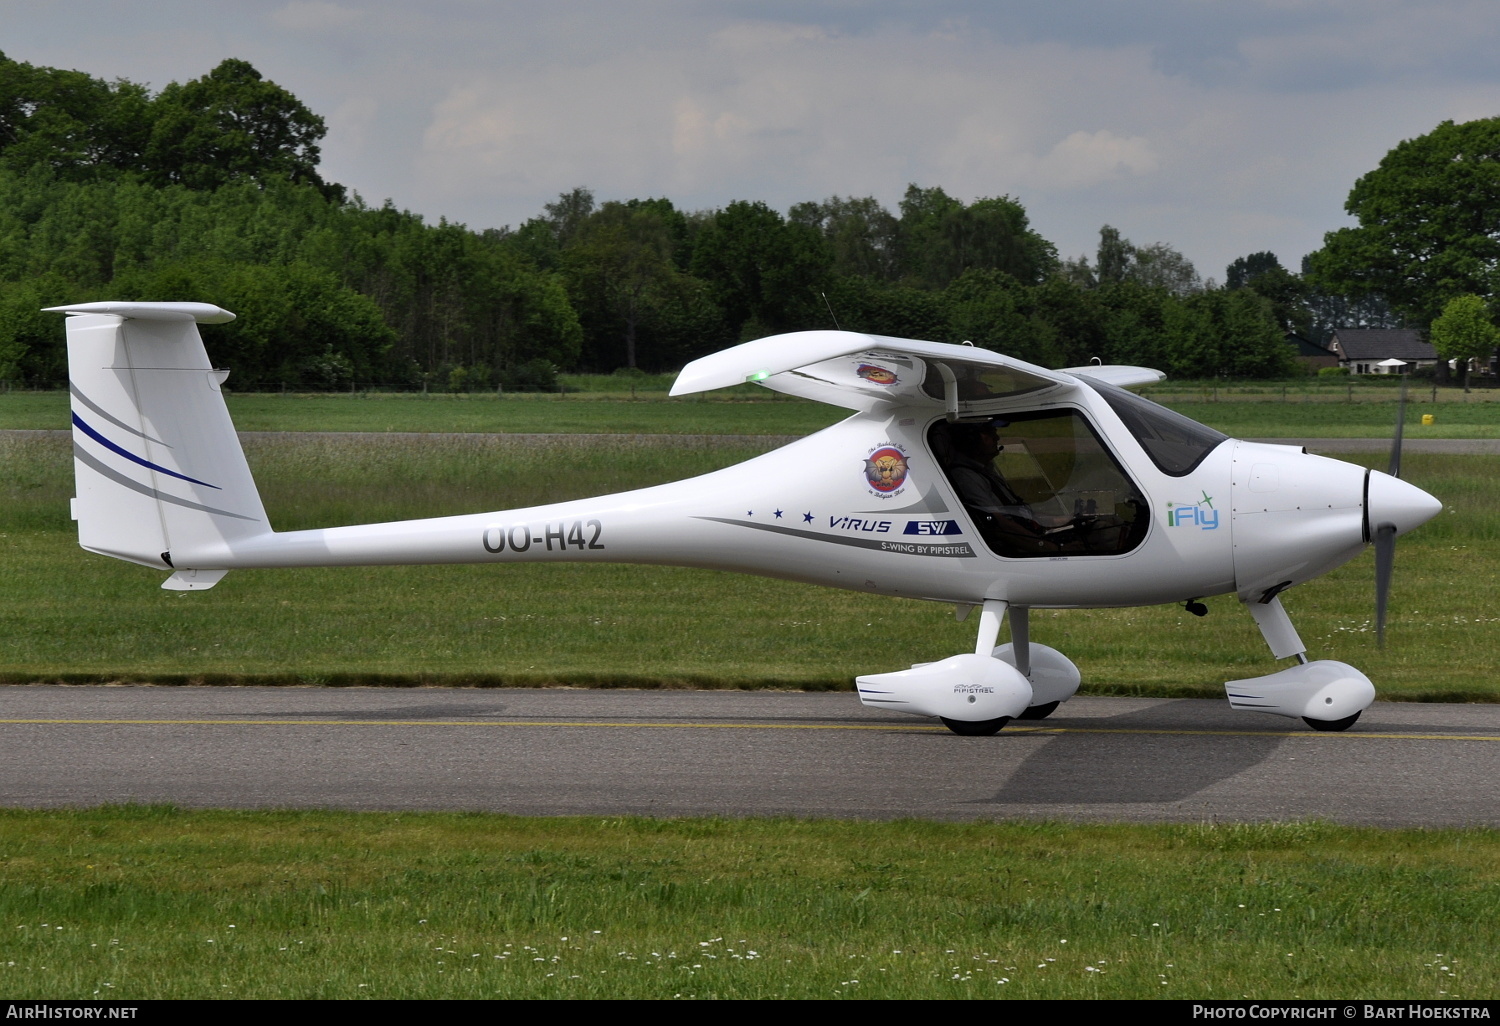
967, 687
1053, 676
1322, 690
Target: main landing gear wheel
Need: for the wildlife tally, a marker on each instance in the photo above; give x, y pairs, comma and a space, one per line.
975, 728
1039, 712
1343, 724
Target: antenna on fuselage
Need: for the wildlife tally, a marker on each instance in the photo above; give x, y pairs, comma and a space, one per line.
830, 310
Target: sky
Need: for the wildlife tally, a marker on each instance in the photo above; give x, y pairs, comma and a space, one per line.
1220, 127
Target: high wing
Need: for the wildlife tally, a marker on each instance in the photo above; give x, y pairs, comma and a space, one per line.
1120, 374
863, 372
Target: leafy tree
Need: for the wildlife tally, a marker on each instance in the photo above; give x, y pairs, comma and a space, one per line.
1247, 268
1229, 333
763, 272
1159, 266
1288, 294
941, 238
1463, 332
863, 304
231, 125
31, 342
567, 215
992, 309
863, 236
1138, 325
1075, 319
295, 324
78, 126
1429, 223
1328, 310
1114, 256
623, 258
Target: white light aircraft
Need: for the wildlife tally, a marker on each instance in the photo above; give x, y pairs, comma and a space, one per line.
962, 476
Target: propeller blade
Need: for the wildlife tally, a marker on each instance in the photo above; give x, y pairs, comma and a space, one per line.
1395, 470
1385, 559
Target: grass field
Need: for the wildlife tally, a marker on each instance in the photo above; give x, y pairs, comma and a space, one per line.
1271, 419
137, 902
752, 410
585, 624
718, 414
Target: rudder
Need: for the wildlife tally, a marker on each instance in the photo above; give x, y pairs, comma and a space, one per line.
161, 477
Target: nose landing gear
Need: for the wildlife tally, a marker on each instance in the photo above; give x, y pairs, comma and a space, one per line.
1325, 694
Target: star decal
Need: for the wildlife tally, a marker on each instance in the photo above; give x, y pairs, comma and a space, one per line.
778, 514
807, 518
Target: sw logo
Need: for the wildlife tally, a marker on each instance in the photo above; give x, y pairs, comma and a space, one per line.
1200, 514
933, 527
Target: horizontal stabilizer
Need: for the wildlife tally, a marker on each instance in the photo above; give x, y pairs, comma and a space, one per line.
201, 313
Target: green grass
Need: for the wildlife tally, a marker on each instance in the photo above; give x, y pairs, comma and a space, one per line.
625, 383
1270, 419
752, 410
152, 902
586, 624
718, 413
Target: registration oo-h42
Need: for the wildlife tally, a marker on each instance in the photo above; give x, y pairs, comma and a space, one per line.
962, 476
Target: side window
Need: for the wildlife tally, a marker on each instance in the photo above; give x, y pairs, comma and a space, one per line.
1041, 484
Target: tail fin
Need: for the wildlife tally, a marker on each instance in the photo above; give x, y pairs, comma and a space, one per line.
158, 466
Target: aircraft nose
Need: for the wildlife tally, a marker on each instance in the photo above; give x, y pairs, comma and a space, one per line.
1389, 500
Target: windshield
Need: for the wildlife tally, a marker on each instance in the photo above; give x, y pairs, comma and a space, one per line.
1176, 444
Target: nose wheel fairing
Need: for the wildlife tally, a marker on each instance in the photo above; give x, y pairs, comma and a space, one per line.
1325, 694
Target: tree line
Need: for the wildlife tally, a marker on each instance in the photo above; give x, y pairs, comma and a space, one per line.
209, 191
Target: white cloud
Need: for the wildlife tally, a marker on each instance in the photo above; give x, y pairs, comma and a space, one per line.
1088, 158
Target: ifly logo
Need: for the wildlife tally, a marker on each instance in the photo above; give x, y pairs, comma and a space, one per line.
1200, 514
932, 527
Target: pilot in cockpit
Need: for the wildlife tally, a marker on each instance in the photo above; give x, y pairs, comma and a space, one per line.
1006, 520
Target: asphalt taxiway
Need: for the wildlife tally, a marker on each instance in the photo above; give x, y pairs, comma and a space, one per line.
677, 753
